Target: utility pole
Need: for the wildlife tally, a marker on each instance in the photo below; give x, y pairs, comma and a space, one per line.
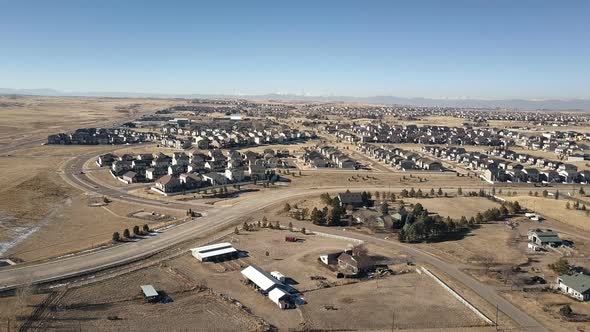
392, 320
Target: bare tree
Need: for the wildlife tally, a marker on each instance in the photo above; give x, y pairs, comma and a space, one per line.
360, 250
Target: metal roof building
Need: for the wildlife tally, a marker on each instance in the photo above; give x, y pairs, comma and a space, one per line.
149, 291
260, 278
214, 251
268, 283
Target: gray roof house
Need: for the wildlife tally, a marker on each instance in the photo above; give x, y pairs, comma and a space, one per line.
576, 285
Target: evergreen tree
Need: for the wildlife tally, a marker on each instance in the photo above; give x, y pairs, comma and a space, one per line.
479, 218
384, 208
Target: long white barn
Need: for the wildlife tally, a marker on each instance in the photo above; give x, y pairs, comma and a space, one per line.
214, 251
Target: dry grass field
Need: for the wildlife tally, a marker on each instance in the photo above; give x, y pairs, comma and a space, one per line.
35, 117
545, 306
76, 226
410, 301
490, 243
117, 304
455, 207
554, 209
32, 191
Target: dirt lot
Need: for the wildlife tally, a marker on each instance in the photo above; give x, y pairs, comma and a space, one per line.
117, 304
455, 207
410, 301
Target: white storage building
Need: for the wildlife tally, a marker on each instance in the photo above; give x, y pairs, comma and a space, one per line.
268, 283
214, 251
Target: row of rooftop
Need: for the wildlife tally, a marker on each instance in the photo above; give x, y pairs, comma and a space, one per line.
183, 171
503, 165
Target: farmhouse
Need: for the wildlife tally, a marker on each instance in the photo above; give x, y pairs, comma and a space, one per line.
218, 251
348, 198
544, 237
354, 264
576, 286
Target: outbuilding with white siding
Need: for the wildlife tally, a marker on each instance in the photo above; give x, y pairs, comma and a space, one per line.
217, 251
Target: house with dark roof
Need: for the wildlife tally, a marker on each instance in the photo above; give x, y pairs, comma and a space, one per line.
355, 199
544, 237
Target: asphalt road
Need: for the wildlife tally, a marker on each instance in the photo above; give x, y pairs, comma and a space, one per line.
215, 218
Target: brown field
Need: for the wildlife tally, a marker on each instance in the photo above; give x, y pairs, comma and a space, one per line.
455, 207
494, 243
77, 226
51, 217
35, 117
410, 301
554, 209
89, 307
544, 306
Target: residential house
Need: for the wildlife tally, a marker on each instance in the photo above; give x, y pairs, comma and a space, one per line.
576, 285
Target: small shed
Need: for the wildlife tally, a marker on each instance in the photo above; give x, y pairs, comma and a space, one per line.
149, 293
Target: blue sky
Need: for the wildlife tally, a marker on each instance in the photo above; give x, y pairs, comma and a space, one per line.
472, 48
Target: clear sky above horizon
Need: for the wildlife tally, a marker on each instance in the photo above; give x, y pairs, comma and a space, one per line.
471, 48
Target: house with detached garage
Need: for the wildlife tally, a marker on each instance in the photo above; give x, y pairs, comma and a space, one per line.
576, 286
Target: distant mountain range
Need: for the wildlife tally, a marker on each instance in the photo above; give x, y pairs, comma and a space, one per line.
523, 104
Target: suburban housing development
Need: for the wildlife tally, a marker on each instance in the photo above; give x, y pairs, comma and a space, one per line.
288, 213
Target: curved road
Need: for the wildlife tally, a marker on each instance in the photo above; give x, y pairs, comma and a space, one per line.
215, 218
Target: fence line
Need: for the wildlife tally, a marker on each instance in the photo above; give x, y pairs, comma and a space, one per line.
457, 296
